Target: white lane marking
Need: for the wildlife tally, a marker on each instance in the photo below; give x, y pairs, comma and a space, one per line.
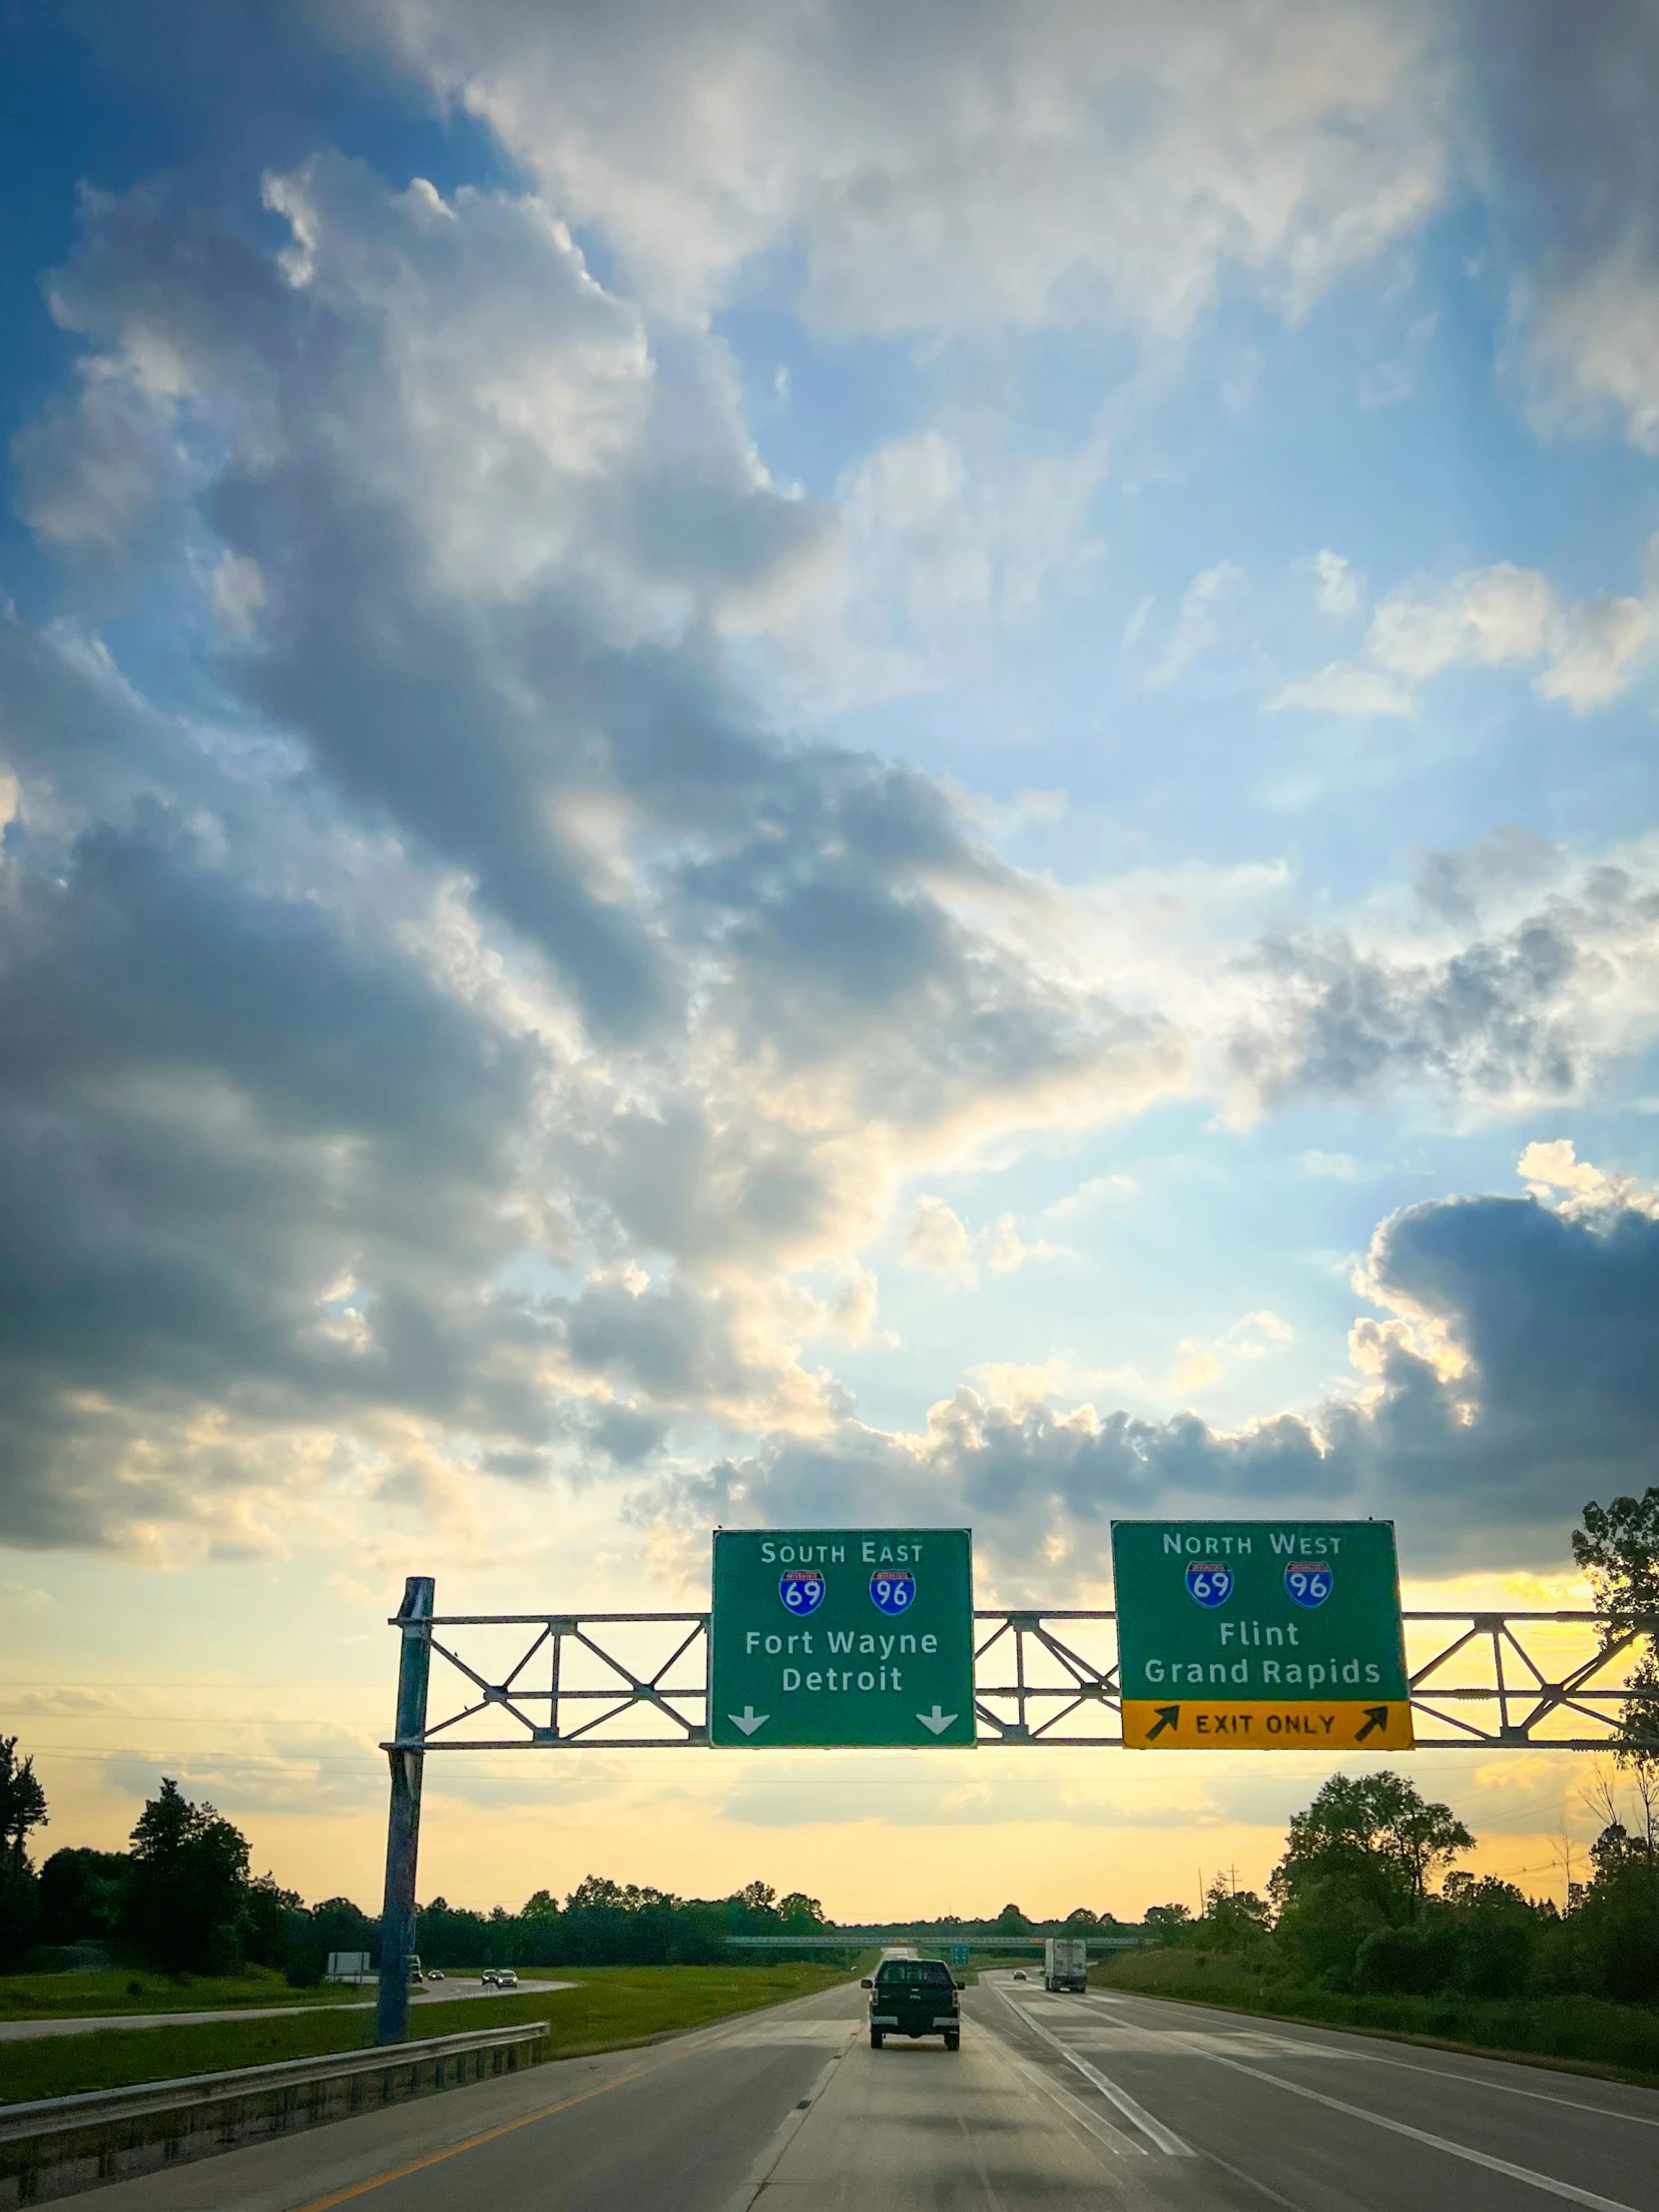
1511, 2089
1112, 2137
1441, 2073
789, 2127
1155, 2131
1434, 2142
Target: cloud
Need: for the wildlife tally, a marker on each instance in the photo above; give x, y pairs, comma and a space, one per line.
1527, 1003
943, 534
1569, 166
1337, 590
940, 1242
1508, 1377
1338, 1167
1342, 690
484, 939
1252, 1336
968, 166
1584, 654
1096, 1191
1197, 625
471, 1045
1387, 382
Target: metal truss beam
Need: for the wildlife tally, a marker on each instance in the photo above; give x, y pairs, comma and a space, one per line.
1043, 1677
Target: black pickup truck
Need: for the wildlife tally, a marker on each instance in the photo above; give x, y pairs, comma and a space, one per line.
915, 1996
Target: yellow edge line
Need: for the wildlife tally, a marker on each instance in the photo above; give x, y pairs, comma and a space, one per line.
473, 2142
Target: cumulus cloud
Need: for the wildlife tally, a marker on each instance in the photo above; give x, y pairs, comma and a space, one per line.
486, 937
939, 1241
1562, 108
1584, 654
1506, 1377
1252, 1336
476, 1044
1529, 1000
962, 165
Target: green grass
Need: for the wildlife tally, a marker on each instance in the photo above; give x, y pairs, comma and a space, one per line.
610, 2008
45, 1996
1585, 2034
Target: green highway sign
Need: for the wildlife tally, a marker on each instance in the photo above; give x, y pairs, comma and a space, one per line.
1260, 1636
822, 1637
959, 1954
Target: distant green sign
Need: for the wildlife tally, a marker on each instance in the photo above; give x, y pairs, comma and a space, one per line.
841, 1636
959, 1954
1260, 1636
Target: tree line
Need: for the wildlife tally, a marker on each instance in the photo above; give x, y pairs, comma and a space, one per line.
182, 1900
1368, 1901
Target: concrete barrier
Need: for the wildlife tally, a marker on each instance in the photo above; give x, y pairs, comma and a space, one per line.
62, 2145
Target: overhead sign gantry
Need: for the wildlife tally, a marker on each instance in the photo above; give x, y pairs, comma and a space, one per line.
1041, 1677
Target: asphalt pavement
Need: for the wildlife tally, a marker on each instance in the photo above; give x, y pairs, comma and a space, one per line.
25, 2031
1052, 2102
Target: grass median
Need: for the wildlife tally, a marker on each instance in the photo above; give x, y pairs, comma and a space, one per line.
117, 1990
1583, 2034
610, 2008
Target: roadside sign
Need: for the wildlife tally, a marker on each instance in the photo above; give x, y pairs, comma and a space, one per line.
959, 1954
1260, 1636
841, 1636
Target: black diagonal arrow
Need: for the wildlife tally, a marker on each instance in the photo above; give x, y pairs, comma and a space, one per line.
1168, 1717
1377, 1719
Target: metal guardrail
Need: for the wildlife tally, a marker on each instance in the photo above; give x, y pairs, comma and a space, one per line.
57, 2147
1042, 1676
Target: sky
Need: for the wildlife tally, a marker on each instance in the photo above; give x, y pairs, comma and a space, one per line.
808, 766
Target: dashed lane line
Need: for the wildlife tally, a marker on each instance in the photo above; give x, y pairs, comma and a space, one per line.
1532, 2180
1154, 2130
1444, 2074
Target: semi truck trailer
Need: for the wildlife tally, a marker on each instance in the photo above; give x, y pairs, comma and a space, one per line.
1065, 1963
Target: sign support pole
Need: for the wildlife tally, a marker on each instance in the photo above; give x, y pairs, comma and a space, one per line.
397, 1912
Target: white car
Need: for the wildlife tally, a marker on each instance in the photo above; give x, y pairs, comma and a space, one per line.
499, 1978
434, 1974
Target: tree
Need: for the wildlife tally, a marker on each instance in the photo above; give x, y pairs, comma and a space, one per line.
757, 1896
1378, 1830
22, 1805
1359, 1862
273, 1920
1081, 1916
82, 1895
799, 1911
22, 1811
1618, 1549
1232, 1919
1011, 1917
186, 1908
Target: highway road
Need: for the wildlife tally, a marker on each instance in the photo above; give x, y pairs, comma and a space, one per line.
444, 1993
1052, 2102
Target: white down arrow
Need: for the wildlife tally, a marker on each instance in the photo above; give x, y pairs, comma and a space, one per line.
936, 1720
749, 1720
